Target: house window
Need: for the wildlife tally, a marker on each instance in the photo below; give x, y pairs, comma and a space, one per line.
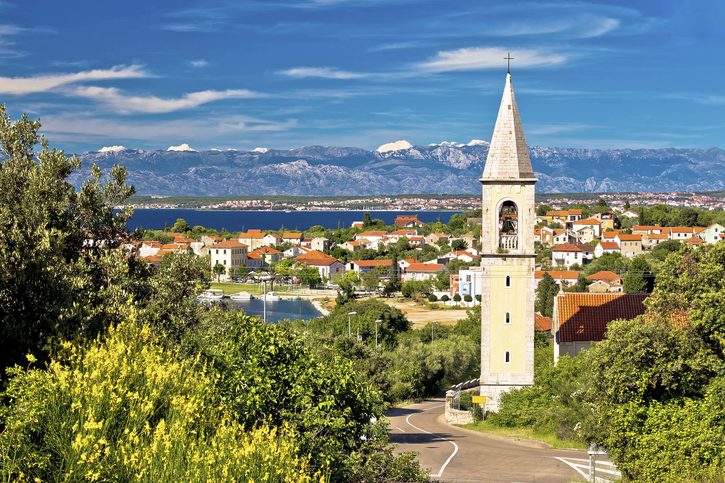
507, 357
508, 280
508, 317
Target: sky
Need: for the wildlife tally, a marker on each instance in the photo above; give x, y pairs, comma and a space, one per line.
288, 73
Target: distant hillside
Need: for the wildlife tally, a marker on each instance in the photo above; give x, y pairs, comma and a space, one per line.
398, 168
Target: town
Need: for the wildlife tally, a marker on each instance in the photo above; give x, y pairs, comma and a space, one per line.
707, 201
592, 249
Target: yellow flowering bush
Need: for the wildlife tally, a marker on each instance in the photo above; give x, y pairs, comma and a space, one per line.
129, 409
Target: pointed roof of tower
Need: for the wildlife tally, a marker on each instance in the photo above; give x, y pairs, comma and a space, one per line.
508, 156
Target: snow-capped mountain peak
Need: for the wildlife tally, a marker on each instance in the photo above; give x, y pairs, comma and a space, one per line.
181, 147
260, 150
112, 149
477, 142
400, 145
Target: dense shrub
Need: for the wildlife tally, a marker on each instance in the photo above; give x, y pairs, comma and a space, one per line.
432, 298
468, 298
445, 298
128, 409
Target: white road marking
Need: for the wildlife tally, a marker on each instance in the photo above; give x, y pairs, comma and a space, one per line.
583, 468
400, 429
574, 466
455, 446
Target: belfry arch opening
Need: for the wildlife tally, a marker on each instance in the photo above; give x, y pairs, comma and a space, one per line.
508, 226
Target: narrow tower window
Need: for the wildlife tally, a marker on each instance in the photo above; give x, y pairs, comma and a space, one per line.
507, 357
508, 226
508, 280
508, 318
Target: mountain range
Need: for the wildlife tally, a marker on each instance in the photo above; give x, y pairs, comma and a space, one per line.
401, 168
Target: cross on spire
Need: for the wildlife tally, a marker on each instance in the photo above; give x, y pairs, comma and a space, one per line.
508, 59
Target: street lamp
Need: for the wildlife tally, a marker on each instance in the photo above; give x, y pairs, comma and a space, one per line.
349, 332
376, 332
265, 279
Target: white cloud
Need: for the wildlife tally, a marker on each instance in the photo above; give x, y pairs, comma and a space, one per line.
82, 129
323, 73
125, 103
47, 82
112, 149
199, 63
478, 58
181, 147
576, 26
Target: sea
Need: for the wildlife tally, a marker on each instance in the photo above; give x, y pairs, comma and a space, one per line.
278, 310
236, 220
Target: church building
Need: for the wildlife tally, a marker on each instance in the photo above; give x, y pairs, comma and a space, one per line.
507, 258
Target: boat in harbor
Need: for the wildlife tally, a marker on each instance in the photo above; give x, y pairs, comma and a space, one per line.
211, 295
241, 296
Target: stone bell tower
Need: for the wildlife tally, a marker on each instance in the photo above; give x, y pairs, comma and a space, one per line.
507, 257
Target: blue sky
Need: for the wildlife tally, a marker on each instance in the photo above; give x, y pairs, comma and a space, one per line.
287, 73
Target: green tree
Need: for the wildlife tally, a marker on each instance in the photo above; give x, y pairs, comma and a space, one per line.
545, 294
180, 226
54, 244
309, 276
638, 277
218, 270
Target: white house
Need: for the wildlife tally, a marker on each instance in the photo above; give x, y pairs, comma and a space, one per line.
470, 281
563, 278
326, 265
422, 271
606, 247
231, 254
362, 266
570, 254
149, 248
713, 234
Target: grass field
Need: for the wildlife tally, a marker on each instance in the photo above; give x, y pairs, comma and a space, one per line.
526, 433
253, 288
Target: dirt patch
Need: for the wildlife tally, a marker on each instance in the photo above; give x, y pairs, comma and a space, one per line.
420, 315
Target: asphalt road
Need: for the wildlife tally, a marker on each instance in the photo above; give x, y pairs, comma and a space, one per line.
455, 454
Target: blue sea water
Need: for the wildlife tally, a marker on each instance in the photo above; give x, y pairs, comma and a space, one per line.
278, 310
233, 220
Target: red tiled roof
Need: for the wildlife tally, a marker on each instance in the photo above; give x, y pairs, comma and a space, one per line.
607, 245
254, 256
658, 236
291, 235
425, 267
680, 229
604, 275
588, 221
154, 244
371, 233
571, 247
558, 274
152, 259
252, 235
373, 263
181, 239
584, 316
267, 251
625, 237
646, 227
404, 232
317, 258
695, 241
542, 323
229, 244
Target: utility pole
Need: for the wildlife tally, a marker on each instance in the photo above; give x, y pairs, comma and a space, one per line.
349, 331
376, 332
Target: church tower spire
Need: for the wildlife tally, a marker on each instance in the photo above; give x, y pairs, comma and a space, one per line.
507, 257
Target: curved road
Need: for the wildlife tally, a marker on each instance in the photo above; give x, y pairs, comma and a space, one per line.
451, 453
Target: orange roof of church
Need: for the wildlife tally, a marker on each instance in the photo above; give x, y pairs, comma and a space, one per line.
373, 263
